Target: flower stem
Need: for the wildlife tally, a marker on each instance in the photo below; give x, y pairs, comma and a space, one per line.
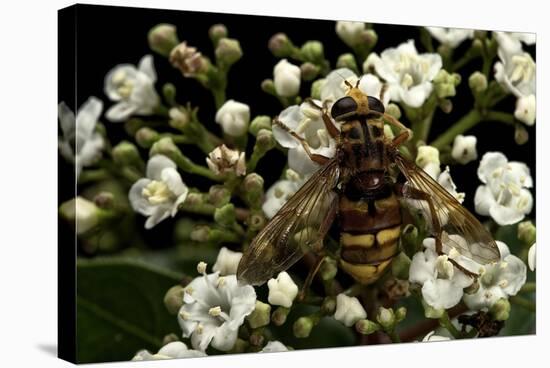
524, 303
446, 323
219, 96
528, 287
467, 122
394, 337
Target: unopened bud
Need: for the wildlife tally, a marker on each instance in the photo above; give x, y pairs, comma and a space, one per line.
328, 307
173, 299
169, 93
477, 45
104, 200
280, 45
501, 310
264, 141
409, 239
347, 61
126, 154
309, 71
219, 195
260, 122
225, 216
162, 38
521, 135
279, 316
393, 110
167, 339
165, 146
328, 269
527, 233
477, 82
268, 86
228, 51
256, 338
179, 118
366, 327
217, 32
400, 266
386, 318
313, 51
316, 88
84, 214
200, 233
369, 38
446, 105
445, 83
146, 137
260, 316
400, 314
302, 327
256, 221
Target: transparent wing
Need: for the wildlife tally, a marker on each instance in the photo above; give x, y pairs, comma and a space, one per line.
300, 224
460, 229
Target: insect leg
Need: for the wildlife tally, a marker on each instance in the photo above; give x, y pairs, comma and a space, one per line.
320, 159
416, 194
329, 124
309, 279
401, 137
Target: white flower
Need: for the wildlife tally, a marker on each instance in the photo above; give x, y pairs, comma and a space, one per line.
282, 290
451, 37
227, 262
526, 109
427, 159
159, 195
335, 85
348, 310
133, 89
223, 160
213, 309
431, 337
274, 347
510, 42
464, 149
503, 197
234, 117
532, 257
307, 122
173, 350
81, 143
277, 195
442, 284
350, 32
498, 280
446, 181
286, 77
408, 73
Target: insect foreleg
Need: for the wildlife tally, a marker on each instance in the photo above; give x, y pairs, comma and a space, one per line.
329, 124
320, 159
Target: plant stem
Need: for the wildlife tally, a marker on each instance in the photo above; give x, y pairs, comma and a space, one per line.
446, 323
393, 336
219, 96
468, 121
524, 303
529, 287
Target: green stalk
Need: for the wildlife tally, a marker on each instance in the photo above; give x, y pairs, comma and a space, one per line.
467, 122
524, 303
446, 323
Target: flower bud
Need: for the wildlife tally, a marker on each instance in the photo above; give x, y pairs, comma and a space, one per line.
282, 290
464, 149
268, 86
104, 200
445, 83
228, 51
280, 45
350, 32
303, 326
173, 299
219, 195
313, 51
162, 38
188, 60
264, 141
532, 257
477, 45
409, 239
446, 105
256, 338
167, 339
369, 38
279, 316
400, 314
234, 117
146, 137
126, 154
348, 310
526, 109
169, 93
400, 265
527, 232
260, 122
256, 221
286, 79
165, 146
316, 88
386, 318
309, 71
217, 32
477, 82
328, 269
225, 216
501, 310
393, 110
81, 212
179, 118
132, 125
328, 307
521, 135
194, 199
428, 159
347, 61
253, 189
366, 327
260, 316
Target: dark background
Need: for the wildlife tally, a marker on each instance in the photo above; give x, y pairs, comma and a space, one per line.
107, 36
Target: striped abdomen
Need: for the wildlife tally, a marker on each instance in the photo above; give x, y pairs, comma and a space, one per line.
370, 225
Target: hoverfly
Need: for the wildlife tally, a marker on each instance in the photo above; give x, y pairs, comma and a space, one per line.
357, 188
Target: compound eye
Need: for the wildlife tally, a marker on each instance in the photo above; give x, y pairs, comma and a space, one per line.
344, 107
376, 105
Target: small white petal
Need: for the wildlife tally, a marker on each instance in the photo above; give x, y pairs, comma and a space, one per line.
282, 290
227, 262
156, 165
348, 310
532, 257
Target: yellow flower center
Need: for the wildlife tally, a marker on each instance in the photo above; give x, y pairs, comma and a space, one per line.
124, 85
157, 192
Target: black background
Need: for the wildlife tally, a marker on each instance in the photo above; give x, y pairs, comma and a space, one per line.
107, 36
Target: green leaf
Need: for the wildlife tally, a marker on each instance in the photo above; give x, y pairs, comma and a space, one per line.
120, 308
